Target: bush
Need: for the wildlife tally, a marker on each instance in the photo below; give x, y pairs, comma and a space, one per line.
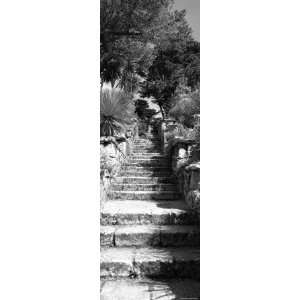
180, 131
186, 104
116, 112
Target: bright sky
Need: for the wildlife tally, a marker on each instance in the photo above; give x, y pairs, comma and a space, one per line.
192, 8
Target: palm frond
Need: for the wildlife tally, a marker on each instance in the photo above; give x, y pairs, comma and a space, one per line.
116, 111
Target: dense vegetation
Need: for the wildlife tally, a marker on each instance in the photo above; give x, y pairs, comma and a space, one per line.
147, 48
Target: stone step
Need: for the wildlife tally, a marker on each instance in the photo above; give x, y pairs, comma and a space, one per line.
130, 212
144, 159
134, 167
143, 173
149, 138
142, 143
145, 146
144, 187
146, 156
151, 262
138, 152
149, 289
145, 152
148, 163
144, 195
144, 180
149, 235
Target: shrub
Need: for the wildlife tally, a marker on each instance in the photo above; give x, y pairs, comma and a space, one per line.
116, 112
186, 104
180, 131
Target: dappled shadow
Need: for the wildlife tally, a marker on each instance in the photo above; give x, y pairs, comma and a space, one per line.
174, 289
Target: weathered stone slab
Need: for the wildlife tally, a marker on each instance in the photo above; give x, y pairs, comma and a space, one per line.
138, 235
153, 262
147, 289
143, 187
127, 212
116, 262
107, 235
179, 235
193, 200
167, 262
144, 195
143, 173
143, 180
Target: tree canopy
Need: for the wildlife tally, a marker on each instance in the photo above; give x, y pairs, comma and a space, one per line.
147, 45
143, 111
175, 64
128, 28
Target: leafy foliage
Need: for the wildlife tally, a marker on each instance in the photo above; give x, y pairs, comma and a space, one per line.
179, 131
143, 111
177, 63
186, 104
116, 112
128, 28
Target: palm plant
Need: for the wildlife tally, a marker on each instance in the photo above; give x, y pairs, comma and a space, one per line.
116, 112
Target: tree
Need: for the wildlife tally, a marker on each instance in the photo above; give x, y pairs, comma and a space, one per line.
191, 62
186, 105
128, 27
176, 62
143, 111
130, 18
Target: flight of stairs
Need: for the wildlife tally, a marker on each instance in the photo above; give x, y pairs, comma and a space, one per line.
147, 230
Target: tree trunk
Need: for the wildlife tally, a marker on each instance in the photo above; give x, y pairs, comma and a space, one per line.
162, 112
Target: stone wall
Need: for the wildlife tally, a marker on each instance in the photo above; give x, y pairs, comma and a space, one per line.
114, 151
185, 160
165, 127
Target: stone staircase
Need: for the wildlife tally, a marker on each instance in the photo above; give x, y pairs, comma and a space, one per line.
148, 235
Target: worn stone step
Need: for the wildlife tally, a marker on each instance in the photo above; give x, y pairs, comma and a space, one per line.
134, 167
130, 212
143, 180
146, 152
149, 138
144, 195
148, 163
150, 262
146, 146
149, 289
143, 143
144, 187
143, 173
146, 156
148, 159
149, 235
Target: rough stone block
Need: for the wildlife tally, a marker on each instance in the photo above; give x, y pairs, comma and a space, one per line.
137, 236
107, 235
116, 262
153, 262
193, 200
179, 235
194, 180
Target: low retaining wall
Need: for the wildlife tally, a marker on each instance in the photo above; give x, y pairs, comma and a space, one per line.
114, 151
185, 161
